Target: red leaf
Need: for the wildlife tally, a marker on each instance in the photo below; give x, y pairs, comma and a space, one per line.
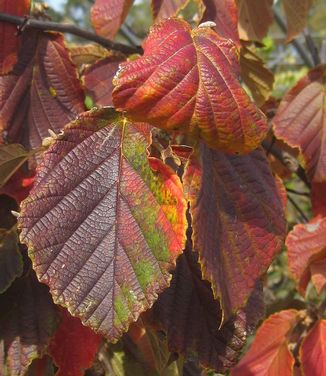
238, 220
312, 350
42, 92
188, 81
74, 346
166, 8
318, 198
301, 121
98, 80
10, 42
269, 353
108, 15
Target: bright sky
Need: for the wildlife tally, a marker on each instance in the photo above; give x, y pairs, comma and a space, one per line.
56, 4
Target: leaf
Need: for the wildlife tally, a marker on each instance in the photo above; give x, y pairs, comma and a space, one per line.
306, 245
28, 319
10, 42
75, 339
255, 74
188, 81
11, 263
318, 198
269, 353
81, 54
166, 8
104, 230
108, 15
42, 92
19, 184
7, 204
238, 221
296, 12
225, 15
12, 157
300, 121
98, 79
255, 18
190, 317
312, 350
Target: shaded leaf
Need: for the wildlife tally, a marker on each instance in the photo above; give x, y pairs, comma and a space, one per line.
10, 42
225, 15
255, 74
41, 367
301, 119
296, 12
269, 353
42, 92
19, 184
108, 15
255, 18
7, 204
75, 339
318, 198
102, 228
98, 80
238, 220
166, 8
190, 316
87, 53
306, 245
11, 263
28, 319
188, 81
12, 157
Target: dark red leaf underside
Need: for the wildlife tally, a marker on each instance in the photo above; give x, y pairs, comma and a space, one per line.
238, 220
98, 80
10, 42
166, 8
103, 229
42, 92
188, 80
301, 121
74, 346
318, 198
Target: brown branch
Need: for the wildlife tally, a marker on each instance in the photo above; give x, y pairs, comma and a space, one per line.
70, 29
311, 46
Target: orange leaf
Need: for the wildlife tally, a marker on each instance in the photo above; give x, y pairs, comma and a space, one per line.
187, 80
312, 351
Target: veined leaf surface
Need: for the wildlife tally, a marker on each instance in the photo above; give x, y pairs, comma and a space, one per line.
102, 228
188, 80
238, 220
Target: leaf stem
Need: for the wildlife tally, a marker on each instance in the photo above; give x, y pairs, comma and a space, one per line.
70, 29
298, 209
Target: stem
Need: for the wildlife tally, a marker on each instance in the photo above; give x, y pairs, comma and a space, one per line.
298, 193
298, 209
311, 46
70, 29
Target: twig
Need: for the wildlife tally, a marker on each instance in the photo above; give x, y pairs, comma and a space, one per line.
311, 46
70, 29
298, 209
302, 52
307, 194
323, 51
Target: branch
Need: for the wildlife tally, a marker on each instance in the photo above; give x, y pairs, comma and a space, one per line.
70, 29
311, 46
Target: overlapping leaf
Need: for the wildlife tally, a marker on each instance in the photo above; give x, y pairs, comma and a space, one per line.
306, 245
28, 319
312, 350
108, 15
103, 229
269, 354
301, 121
188, 81
238, 220
11, 158
225, 15
75, 339
10, 42
42, 92
189, 314
98, 80
166, 8
81, 54
255, 18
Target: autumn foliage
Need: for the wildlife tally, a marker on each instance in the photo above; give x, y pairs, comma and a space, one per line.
136, 232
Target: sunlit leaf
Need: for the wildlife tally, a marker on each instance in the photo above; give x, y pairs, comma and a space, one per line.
269, 353
76, 340
98, 80
108, 15
255, 74
238, 220
255, 18
102, 228
10, 42
312, 350
42, 92
301, 121
12, 157
166, 8
188, 81
81, 54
